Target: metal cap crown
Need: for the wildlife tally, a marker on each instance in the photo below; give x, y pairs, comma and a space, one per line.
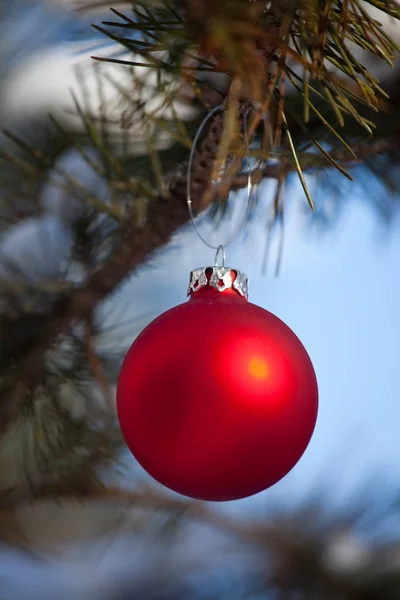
219, 278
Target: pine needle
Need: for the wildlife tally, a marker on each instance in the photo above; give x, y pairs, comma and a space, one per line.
298, 167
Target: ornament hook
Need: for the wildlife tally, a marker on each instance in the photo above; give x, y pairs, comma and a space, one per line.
189, 181
222, 250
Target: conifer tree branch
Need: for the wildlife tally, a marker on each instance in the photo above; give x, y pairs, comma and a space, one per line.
165, 215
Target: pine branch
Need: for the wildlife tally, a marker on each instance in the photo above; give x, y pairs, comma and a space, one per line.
243, 40
166, 214
311, 163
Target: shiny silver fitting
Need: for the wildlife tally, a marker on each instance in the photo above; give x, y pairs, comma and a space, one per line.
220, 279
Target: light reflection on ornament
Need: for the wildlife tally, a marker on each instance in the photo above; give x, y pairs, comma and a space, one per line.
258, 368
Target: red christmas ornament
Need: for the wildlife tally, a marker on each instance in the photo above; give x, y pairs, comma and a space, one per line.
217, 398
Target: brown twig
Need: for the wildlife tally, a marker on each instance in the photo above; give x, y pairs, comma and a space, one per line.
342, 156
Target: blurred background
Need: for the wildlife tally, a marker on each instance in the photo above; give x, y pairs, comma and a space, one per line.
331, 528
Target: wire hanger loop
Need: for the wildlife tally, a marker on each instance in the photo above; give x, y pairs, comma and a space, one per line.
220, 248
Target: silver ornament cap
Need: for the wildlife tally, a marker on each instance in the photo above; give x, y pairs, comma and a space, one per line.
219, 278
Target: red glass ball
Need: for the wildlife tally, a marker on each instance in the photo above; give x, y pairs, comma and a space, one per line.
217, 398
